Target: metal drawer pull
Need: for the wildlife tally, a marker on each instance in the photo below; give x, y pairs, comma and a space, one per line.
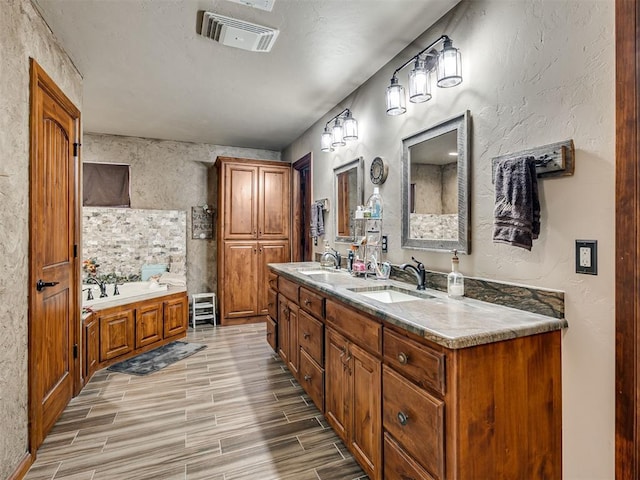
307, 378
307, 301
403, 358
306, 335
403, 418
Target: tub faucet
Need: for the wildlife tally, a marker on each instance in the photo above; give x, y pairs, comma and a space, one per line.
101, 284
419, 272
89, 293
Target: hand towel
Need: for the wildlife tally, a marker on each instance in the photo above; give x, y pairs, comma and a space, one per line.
517, 206
317, 219
320, 206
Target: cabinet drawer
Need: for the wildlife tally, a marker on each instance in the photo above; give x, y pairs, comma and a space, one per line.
415, 419
311, 336
312, 302
420, 363
365, 332
312, 379
272, 335
272, 303
288, 288
399, 465
273, 281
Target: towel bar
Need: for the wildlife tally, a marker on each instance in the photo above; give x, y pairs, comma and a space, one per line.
553, 160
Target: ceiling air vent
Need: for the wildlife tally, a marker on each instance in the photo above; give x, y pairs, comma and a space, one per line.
238, 33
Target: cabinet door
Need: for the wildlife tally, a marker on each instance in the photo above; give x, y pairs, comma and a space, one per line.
240, 296
269, 252
91, 347
272, 333
148, 324
337, 398
366, 416
283, 329
116, 333
274, 204
240, 215
175, 316
294, 349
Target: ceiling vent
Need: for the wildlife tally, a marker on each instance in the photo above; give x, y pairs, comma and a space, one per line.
238, 33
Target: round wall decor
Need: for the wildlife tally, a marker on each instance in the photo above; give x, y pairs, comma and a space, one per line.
379, 171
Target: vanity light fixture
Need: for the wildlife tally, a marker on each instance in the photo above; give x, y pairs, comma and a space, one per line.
447, 64
345, 128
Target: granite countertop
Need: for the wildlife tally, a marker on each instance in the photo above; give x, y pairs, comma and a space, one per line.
448, 322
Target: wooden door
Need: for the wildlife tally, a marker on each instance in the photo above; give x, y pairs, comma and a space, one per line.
269, 252
149, 324
301, 205
240, 296
337, 385
116, 332
366, 418
627, 436
274, 203
175, 316
54, 322
240, 201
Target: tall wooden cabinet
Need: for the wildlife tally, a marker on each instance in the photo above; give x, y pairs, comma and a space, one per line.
253, 230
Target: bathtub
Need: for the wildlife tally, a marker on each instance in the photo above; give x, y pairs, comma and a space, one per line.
127, 290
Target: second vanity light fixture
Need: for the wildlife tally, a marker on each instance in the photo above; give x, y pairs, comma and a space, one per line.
448, 67
344, 128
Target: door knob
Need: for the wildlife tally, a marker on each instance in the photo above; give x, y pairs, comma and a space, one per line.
40, 285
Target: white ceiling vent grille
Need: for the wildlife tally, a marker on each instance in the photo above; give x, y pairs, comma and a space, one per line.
238, 33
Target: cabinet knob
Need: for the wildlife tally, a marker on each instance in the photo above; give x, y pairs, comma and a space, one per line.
306, 335
307, 378
403, 418
403, 358
307, 301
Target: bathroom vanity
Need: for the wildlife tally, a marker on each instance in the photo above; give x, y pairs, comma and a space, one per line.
120, 328
420, 386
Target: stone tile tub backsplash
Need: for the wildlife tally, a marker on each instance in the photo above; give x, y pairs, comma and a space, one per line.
124, 239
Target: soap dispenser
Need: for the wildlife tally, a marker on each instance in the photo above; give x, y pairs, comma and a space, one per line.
374, 204
455, 280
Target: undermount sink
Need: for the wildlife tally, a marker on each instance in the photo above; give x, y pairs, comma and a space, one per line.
390, 294
317, 271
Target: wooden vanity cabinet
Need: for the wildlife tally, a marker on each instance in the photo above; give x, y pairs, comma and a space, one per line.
175, 316
353, 383
288, 334
149, 324
253, 231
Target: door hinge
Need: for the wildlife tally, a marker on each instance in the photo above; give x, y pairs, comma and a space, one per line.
75, 350
76, 149
75, 251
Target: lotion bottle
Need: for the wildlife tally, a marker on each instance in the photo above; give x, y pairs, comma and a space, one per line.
455, 280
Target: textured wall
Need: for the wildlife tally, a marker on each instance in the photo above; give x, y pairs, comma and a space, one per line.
535, 72
23, 34
168, 175
122, 240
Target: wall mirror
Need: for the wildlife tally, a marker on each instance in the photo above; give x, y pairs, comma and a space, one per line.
435, 187
348, 194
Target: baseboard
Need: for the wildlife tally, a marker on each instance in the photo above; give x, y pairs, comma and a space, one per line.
23, 467
243, 320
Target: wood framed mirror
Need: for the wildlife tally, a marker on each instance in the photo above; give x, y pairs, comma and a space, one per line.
435, 187
348, 182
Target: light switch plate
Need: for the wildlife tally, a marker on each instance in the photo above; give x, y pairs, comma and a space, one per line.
587, 257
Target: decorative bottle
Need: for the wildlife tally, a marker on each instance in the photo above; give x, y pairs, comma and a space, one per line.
374, 204
455, 280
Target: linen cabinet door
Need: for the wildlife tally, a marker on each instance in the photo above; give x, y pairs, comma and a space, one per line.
337, 397
366, 436
274, 205
239, 287
240, 214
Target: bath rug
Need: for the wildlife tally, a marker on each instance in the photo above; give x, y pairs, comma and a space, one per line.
154, 360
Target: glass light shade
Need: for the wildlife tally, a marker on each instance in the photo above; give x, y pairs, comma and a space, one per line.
325, 140
337, 135
395, 98
419, 83
350, 127
449, 66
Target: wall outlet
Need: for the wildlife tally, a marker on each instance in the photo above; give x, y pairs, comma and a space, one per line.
587, 257
385, 244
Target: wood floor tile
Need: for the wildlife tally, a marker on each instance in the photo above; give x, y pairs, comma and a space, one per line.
232, 411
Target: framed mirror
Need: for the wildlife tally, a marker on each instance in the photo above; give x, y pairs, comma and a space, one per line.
348, 194
435, 187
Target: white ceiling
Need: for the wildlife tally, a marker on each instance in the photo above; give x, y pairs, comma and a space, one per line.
148, 73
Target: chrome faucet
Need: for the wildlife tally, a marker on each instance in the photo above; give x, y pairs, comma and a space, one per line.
101, 284
419, 272
334, 256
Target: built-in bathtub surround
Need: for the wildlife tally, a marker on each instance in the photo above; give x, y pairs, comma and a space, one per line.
124, 239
